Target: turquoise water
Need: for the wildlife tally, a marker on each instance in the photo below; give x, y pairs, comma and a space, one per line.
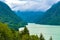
46, 30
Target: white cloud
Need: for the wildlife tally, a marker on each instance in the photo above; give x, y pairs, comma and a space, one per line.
30, 4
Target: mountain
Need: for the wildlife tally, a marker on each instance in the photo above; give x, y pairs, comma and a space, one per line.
52, 15
30, 16
9, 17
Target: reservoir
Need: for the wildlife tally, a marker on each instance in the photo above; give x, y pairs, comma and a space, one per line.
46, 30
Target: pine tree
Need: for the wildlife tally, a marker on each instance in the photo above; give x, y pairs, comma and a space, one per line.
50, 38
26, 31
24, 34
34, 37
41, 37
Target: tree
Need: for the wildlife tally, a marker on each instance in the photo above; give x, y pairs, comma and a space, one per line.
25, 37
34, 37
41, 37
5, 32
24, 34
26, 31
50, 38
15, 34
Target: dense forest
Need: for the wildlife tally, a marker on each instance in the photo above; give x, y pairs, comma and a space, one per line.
7, 33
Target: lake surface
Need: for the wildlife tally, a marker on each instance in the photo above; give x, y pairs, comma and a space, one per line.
46, 30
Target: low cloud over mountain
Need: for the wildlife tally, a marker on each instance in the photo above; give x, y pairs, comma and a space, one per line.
33, 5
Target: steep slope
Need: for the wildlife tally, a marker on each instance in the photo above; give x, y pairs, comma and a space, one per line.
52, 15
30, 16
9, 17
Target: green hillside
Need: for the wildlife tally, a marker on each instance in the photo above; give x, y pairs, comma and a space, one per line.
9, 17
52, 15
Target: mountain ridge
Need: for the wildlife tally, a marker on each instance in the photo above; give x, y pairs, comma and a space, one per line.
30, 16
9, 17
52, 15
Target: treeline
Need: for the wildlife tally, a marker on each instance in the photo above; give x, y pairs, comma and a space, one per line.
7, 33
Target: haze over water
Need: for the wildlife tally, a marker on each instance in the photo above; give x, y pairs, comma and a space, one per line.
46, 30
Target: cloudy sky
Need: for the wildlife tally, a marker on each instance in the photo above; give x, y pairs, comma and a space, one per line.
31, 5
